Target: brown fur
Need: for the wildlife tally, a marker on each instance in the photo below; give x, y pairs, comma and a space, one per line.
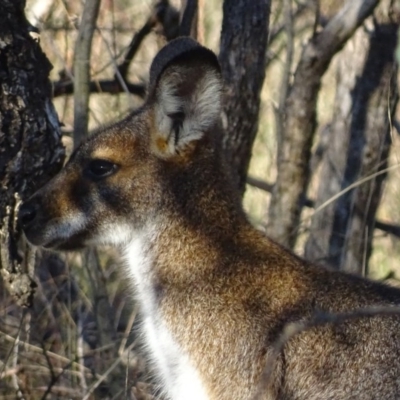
223, 289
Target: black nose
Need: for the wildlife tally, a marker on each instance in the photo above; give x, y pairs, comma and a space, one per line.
27, 214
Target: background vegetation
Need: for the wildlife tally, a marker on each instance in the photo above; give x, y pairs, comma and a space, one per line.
321, 176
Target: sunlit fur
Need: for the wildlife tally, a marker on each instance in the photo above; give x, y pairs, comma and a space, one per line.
215, 293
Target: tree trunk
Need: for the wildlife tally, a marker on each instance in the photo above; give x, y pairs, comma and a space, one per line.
294, 152
242, 57
30, 139
359, 142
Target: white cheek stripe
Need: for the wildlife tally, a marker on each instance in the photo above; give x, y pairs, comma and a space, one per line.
66, 228
176, 375
108, 234
177, 378
113, 234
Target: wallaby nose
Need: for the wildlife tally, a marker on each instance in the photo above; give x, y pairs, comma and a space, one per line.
27, 214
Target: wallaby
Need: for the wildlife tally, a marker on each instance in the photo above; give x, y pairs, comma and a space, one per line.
215, 293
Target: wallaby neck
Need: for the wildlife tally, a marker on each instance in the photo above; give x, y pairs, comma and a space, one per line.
186, 240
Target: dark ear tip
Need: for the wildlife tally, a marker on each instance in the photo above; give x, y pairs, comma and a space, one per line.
179, 50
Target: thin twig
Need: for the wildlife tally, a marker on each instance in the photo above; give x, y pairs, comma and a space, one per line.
135, 44
80, 352
40, 369
101, 379
392, 229
274, 54
117, 75
159, 15
54, 378
396, 124
354, 185
31, 347
387, 227
127, 331
269, 187
277, 30
317, 16
286, 75
188, 18
65, 87
14, 378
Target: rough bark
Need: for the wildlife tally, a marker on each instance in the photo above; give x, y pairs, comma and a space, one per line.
300, 119
30, 139
242, 57
359, 141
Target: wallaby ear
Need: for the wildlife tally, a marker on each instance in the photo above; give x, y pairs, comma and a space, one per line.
184, 92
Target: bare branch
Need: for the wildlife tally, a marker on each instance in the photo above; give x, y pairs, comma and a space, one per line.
163, 14
39, 350
277, 30
102, 378
286, 75
83, 48
135, 44
188, 18
300, 26
53, 377
269, 187
392, 229
295, 152
387, 227
396, 124
359, 144
259, 184
64, 87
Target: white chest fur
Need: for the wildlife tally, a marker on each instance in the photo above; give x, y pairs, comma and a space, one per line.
178, 379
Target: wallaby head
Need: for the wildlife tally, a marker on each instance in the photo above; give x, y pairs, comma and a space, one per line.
122, 176
214, 292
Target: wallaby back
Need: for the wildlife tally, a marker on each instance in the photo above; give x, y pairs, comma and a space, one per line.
215, 293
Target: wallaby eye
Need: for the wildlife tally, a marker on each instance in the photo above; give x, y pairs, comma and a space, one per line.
99, 169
